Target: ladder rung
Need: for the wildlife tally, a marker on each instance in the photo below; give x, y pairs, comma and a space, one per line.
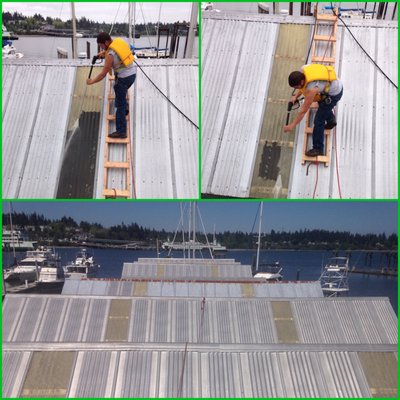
322, 159
117, 141
326, 17
116, 164
111, 117
116, 193
323, 59
112, 97
324, 38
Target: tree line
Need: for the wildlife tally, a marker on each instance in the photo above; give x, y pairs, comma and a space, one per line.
20, 24
41, 228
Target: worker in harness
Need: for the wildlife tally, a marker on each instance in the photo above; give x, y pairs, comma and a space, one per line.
318, 83
119, 58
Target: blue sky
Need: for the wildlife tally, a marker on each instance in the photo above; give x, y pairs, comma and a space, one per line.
356, 217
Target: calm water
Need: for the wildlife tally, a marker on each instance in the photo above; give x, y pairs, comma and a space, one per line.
46, 46
307, 263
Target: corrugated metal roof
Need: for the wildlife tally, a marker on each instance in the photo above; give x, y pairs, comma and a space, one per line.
190, 289
40, 105
188, 269
124, 373
367, 114
236, 63
191, 348
35, 318
36, 100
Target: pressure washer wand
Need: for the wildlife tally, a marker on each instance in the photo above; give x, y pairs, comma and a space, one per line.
289, 108
94, 59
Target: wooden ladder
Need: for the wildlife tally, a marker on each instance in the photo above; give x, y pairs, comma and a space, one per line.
117, 154
323, 51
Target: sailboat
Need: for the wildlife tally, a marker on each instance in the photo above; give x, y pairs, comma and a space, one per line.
268, 271
192, 244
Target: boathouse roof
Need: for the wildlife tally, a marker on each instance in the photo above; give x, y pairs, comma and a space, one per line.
181, 288
42, 103
96, 346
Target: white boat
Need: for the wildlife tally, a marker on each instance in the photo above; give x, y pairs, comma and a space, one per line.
29, 268
16, 240
10, 52
270, 272
152, 53
51, 278
334, 276
84, 266
188, 245
215, 247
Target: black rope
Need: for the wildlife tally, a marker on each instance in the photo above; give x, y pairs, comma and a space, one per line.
166, 96
362, 48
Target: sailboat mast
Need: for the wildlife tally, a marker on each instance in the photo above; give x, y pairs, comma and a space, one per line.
134, 23
259, 235
129, 24
194, 229
12, 234
74, 40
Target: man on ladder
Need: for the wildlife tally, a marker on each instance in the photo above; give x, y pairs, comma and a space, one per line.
118, 56
318, 83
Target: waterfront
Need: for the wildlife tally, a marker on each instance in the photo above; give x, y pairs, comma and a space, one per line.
307, 264
45, 47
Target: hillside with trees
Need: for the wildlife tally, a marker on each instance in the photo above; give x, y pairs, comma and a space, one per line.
37, 24
67, 229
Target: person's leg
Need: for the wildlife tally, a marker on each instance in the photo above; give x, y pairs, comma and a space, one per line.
319, 127
324, 113
120, 90
130, 81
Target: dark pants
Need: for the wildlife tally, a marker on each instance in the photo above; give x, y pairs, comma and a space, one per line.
121, 89
323, 114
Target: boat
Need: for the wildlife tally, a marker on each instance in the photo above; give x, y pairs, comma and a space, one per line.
12, 239
8, 49
51, 278
151, 52
334, 276
28, 269
84, 266
215, 247
269, 271
7, 36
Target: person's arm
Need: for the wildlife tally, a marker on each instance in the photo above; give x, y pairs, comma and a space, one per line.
106, 69
308, 100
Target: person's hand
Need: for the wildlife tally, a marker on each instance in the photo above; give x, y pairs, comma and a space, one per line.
89, 81
102, 54
293, 100
288, 128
